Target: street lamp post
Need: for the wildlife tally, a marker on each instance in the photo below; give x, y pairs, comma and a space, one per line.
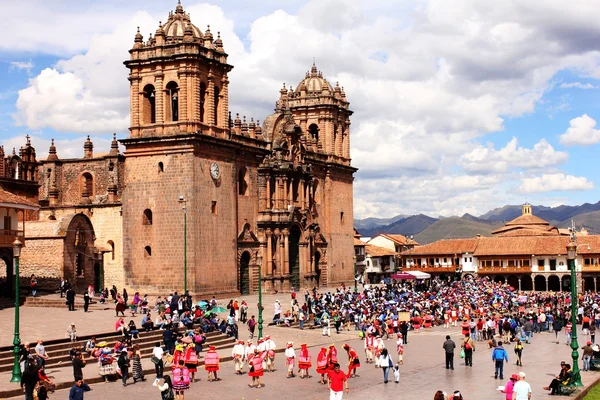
260, 306
571, 256
16, 372
183, 203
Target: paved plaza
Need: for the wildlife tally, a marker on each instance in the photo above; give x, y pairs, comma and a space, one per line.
422, 374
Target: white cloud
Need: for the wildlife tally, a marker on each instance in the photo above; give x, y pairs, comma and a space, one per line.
578, 85
581, 132
554, 182
489, 160
21, 65
425, 83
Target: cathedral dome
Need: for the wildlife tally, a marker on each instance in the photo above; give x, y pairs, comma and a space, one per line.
177, 23
314, 83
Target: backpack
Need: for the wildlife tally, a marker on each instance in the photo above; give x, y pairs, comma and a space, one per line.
467, 345
168, 394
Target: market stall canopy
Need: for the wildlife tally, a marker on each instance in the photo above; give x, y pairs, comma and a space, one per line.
403, 276
419, 274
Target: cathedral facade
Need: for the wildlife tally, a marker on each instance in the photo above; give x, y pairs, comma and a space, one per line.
202, 198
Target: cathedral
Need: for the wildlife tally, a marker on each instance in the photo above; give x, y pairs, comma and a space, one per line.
201, 198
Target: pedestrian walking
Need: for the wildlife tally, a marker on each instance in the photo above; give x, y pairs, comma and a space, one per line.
304, 362
469, 347
386, 363
71, 299
557, 327
256, 368
29, 379
499, 355
157, 360
211, 364
449, 347
86, 301
508, 388
166, 389
123, 363
181, 380
588, 352
251, 326
78, 389
78, 365
521, 389
337, 381
519, 352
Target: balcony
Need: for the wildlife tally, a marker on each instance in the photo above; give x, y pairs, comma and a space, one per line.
503, 270
432, 269
7, 237
591, 268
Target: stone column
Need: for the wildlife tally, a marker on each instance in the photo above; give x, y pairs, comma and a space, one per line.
211, 99
183, 97
276, 193
224, 101
286, 252
282, 256
269, 269
286, 194
301, 190
135, 100
268, 192
160, 99
519, 283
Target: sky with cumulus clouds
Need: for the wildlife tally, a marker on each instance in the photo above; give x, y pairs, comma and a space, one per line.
459, 106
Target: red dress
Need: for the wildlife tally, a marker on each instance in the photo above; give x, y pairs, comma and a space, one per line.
322, 366
256, 362
305, 359
190, 360
211, 361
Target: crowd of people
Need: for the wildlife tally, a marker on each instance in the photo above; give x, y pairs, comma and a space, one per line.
488, 313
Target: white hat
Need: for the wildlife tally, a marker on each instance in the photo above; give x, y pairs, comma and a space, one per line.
522, 374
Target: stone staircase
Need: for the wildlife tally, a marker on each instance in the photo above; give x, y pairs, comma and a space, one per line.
57, 302
59, 349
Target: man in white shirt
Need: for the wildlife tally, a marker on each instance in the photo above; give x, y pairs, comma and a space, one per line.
249, 351
290, 358
521, 390
238, 354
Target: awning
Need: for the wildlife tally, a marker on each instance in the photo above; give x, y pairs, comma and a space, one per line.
403, 276
419, 274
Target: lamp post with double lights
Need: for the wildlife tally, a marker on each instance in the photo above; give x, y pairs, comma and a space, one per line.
16, 372
183, 203
260, 306
571, 256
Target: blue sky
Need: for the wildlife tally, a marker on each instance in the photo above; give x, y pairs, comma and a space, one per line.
460, 106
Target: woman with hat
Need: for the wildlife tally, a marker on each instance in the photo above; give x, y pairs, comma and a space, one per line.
256, 368
191, 360
290, 359
304, 361
353, 361
508, 389
211, 364
322, 364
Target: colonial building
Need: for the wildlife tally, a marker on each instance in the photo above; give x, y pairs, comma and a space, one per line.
276, 195
528, 253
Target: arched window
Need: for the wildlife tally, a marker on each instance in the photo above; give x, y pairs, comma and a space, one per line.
202, 100
111, 244
173, 93
86, 185
147, 217
296, 189
149, 106
313, 129
147, 251
216, 110
243, 181
161, 167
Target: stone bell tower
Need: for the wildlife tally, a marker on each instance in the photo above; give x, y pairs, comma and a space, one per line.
178, 80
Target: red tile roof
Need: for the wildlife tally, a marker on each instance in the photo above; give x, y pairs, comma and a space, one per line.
358, 242
527, 219
444, 246
8, 199
400, 239
376, 251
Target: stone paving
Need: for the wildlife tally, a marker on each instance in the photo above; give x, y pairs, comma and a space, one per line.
422, 374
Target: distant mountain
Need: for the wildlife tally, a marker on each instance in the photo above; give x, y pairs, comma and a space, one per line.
590, 221
405, 226
427, 229
367, 223
454, 227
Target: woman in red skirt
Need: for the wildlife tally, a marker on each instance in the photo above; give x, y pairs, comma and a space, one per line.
322, 365
211, 364
256, 368
304, 362
353, 361
191, 361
